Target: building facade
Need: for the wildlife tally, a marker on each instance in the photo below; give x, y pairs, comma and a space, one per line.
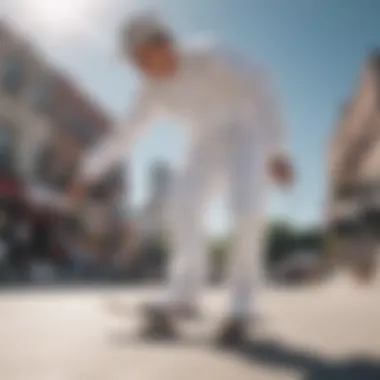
152, 219
47, 123
354, 156
23, 129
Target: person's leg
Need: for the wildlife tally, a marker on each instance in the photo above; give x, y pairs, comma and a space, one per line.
187, 270
248, 193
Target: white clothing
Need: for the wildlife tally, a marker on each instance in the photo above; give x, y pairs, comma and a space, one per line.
231, 160
210, 89
234, 125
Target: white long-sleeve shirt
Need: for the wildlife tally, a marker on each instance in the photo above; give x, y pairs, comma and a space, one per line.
210, 89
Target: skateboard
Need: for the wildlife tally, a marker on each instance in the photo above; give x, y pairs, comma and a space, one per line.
126, 310
198, 327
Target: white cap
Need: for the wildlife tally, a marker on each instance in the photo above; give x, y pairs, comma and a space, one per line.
141, 27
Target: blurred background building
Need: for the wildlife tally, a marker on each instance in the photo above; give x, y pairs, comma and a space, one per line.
353, 211
23, 128
47, 123
354, 157
152, 215
151, 221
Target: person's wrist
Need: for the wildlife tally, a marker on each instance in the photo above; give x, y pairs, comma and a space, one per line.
279, 156
280, 151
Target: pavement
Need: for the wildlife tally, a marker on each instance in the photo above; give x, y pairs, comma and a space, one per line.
322, 332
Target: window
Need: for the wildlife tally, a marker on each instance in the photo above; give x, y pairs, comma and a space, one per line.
81, 129
42, 93
12, 75
69, 120
50, 172
67, 117
160, 179
86, 132
41, 167
7, 147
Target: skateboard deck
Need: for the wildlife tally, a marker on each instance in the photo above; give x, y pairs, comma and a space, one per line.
125, 309
201, 329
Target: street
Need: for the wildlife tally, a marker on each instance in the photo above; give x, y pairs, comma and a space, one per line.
328, 332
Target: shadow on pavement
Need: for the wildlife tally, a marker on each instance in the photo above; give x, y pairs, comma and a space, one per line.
312, 366
273, 354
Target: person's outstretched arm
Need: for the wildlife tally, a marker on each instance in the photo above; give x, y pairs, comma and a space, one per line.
272, 122
113, 147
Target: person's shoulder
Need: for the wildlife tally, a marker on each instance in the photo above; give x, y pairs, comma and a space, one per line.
214, 52
202, 49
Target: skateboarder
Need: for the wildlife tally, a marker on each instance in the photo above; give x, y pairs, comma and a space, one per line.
236, 138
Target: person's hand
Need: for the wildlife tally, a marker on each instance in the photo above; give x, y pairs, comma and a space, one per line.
78, 191
364, 272
281, 170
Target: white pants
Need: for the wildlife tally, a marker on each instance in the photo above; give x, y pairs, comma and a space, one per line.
234, 156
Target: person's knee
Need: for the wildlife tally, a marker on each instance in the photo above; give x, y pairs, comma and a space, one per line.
183, 208
249, 220
247, 205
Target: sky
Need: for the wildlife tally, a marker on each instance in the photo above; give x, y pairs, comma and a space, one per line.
314, 50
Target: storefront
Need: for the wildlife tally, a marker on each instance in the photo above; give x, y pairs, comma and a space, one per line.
15, 217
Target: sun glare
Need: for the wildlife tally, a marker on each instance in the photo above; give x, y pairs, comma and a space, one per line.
62, 19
